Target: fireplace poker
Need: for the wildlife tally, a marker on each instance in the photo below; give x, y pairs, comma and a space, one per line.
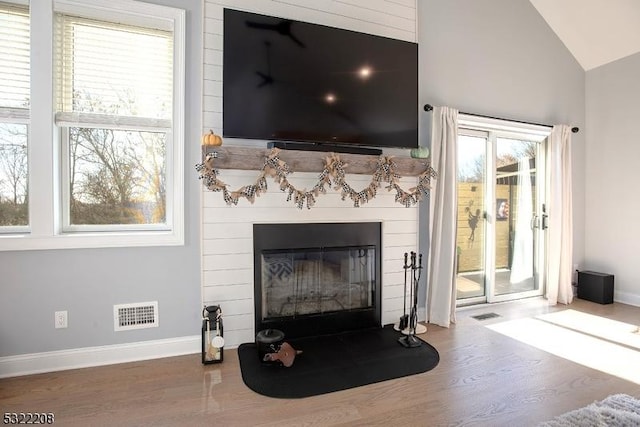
411, 298
404, 319
414, 316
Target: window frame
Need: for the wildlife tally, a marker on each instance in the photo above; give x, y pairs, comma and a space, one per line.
65, 180
492, 129
45, 144
17, 116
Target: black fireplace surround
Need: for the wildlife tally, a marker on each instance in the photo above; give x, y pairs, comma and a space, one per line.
317, 278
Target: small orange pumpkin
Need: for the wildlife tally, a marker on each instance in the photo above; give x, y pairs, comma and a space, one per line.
211, 139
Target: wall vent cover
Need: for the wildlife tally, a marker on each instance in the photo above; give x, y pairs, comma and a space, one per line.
140, 315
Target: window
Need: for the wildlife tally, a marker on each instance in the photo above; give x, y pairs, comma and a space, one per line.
14, 117
501, 183
112, 90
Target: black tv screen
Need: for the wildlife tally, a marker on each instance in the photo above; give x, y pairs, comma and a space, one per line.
287, 80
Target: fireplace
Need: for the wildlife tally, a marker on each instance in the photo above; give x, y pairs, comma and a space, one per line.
318, 278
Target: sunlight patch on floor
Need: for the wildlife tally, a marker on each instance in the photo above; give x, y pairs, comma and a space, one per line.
601, 327
595, 353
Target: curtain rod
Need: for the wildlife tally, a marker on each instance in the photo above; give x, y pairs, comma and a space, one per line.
429, 107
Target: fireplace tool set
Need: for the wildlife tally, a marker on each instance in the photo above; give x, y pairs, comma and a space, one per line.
409, 322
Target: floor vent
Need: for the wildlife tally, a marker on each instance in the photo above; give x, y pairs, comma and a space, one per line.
485, 316
140, 315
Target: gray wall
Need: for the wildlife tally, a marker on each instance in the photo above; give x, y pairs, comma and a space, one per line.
500, 58
494, 57
88, 282
612, 209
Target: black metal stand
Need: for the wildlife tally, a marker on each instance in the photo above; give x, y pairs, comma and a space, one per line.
410, 341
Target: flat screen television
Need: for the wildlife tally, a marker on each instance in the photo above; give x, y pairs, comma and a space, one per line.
286, 80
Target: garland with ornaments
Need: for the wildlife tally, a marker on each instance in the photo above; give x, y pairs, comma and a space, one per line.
333, 174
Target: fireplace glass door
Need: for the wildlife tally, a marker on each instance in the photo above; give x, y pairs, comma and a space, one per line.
308, 282
317, 278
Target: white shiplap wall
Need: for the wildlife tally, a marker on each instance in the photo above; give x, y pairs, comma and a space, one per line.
227, 231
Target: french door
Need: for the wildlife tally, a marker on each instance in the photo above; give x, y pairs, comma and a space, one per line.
501, 217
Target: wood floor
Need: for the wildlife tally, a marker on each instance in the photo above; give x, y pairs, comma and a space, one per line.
483, 379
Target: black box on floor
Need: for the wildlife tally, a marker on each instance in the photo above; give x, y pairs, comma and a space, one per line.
596, 287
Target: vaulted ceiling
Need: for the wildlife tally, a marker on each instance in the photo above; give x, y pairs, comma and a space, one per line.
596, 32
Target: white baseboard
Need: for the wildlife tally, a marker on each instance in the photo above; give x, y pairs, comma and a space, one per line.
36, 363
626, 298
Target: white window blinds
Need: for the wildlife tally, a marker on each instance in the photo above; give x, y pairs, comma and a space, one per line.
112, 75
14, 61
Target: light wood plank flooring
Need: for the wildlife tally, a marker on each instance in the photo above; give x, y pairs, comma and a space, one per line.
483, 379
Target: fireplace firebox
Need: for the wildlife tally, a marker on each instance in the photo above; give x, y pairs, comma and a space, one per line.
316, 279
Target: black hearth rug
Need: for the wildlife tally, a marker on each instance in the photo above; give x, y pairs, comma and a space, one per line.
336, 362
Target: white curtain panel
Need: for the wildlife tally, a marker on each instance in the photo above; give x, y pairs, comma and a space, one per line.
522, 265
560, 231
441, 295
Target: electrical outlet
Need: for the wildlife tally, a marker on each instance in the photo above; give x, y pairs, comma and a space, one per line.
61, 319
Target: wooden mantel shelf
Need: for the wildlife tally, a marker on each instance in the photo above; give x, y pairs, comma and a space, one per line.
246, 158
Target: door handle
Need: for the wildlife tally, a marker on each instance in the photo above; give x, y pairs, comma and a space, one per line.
545, 221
